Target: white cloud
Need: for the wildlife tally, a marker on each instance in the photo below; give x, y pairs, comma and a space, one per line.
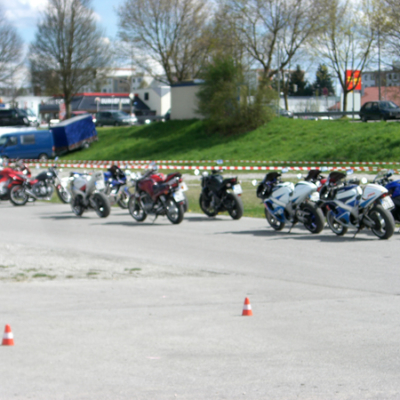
23, 13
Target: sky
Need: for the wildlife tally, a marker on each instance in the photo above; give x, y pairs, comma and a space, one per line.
24, 15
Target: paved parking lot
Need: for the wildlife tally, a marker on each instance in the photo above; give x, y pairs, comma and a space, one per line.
113, 309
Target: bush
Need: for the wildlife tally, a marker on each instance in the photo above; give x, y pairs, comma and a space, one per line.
226, 102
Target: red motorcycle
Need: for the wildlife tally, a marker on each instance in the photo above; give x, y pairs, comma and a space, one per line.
11, 178
157, 196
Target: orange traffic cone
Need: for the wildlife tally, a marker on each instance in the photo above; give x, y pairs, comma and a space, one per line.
247, 307
8, 337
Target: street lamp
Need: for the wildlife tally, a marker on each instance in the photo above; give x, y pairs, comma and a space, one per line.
97, 100
131, 96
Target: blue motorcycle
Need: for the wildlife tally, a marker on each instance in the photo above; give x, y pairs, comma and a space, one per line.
116, 187
384, 178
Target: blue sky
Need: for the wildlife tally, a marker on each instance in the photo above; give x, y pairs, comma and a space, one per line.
24, 14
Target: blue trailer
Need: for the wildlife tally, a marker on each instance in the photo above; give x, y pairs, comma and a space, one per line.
74, 133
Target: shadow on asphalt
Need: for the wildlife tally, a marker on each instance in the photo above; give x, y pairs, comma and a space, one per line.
285, 235
202, 219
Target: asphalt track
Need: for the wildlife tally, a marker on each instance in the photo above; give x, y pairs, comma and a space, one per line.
114, 309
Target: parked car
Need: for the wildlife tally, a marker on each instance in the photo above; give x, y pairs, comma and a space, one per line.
13, 117
114, 118
32, 117
285, 113
379, 110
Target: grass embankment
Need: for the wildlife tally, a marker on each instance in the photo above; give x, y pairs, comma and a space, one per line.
281, 139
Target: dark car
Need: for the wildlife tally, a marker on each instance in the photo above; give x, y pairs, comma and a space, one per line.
13, 117
380, 110
114, 118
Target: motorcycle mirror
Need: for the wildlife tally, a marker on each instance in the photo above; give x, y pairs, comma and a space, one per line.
324, 169
284, 170
254, 182
390, 172
196, 172
299, 176
364, 181
205, 173
350, 171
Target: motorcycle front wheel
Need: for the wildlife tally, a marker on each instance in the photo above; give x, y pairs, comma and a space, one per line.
335, 226
63, 194
102, 205
384, 222
18, 196
315, 220
174, 211
234, 205
77, 206
123, 200
274, 222
205, 205
136, 209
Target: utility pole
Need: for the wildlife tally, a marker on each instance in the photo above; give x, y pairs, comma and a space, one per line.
279, 79
379, 63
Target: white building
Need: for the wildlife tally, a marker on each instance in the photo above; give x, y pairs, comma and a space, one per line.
122, 80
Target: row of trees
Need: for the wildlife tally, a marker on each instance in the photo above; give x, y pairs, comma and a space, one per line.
183, 37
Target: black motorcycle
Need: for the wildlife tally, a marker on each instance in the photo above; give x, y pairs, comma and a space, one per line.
219, 194
40, 188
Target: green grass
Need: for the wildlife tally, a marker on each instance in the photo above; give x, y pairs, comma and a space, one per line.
280, 140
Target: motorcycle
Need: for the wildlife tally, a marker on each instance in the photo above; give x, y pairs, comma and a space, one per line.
39, 188
86, 194
288, 203
116, 186
157, 198
351, 206
384, 178
10, 176
219, 195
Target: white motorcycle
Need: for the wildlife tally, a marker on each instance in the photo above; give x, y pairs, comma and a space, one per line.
288, 203
86, 194
351, 206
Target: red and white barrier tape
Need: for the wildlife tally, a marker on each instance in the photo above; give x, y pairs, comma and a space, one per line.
140, 162
192, 167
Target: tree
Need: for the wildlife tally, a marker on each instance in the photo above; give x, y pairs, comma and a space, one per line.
323, 81
346, 41
298, 86
69, 51
166, 33
225, 101
271, 27
11, 48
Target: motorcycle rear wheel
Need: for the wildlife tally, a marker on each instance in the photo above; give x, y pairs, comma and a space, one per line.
77, 206
102, 205
274, 222
335, 226
136, 209
234, 205
174, 211
18, 196
63, 195
384, 222
315, 223
206, 207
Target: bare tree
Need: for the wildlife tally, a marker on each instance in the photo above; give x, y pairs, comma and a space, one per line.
69, 51
166, 33
346, 41
11, 48
268, 25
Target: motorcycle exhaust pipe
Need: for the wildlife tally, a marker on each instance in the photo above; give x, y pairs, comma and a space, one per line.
31, 193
